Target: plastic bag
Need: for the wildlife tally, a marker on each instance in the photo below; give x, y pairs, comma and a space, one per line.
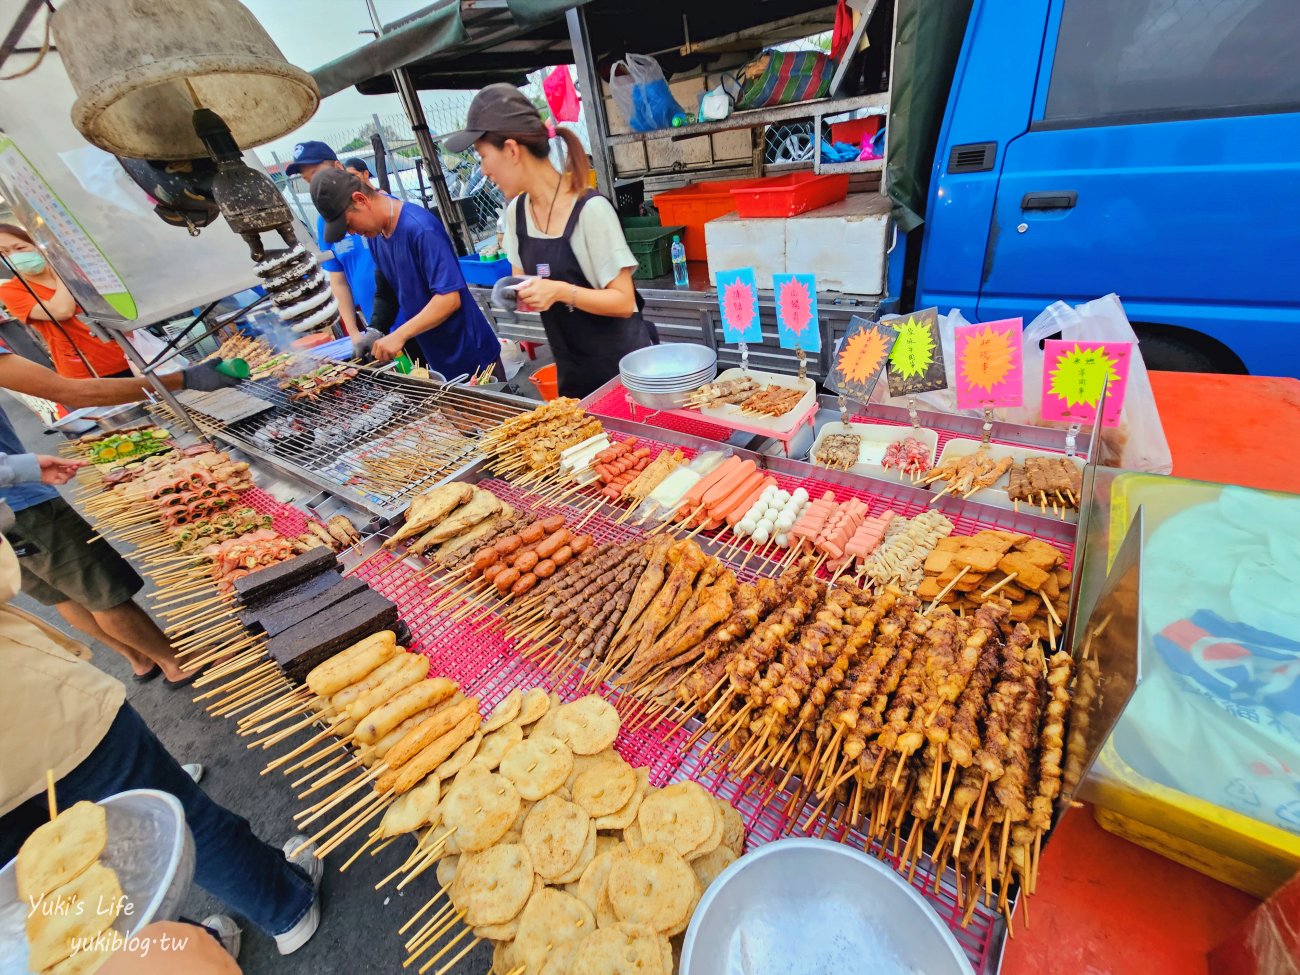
786, 77
561, 95
1138, 443
642, 95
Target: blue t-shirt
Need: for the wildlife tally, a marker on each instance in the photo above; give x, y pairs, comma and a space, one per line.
352, 257
418, 261
20, 496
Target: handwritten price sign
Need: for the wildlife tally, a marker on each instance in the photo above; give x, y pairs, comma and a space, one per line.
738, 303
990, 366
1074, 375
916, 361
796, 312
859, 359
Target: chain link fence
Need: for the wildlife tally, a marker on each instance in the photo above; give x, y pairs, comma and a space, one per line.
480, 201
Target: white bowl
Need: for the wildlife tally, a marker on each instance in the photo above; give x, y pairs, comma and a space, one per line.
151, 851
799, 906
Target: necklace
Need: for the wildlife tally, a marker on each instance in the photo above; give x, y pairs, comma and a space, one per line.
554, 196
388, 229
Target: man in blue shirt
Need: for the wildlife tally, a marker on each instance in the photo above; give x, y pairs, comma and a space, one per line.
434, 310
351, 269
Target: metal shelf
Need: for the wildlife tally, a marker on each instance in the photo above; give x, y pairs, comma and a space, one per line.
760, 116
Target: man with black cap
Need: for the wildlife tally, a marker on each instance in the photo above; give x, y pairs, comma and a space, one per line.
351, 269
422, 303
358, 168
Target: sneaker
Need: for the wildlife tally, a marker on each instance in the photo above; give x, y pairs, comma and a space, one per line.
298, 935
228, 933
194, 770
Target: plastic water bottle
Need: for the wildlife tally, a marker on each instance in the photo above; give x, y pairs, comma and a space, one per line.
680, 275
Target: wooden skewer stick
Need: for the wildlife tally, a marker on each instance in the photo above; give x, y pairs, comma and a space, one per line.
1006, 581
285, 759
448, 947
947, 589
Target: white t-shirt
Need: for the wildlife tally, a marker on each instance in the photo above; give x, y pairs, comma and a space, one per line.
598, 242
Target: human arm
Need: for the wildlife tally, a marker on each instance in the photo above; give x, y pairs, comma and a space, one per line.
28, 468
24, 376
61, 305
433, 314
347, 307
615, 300
385, 307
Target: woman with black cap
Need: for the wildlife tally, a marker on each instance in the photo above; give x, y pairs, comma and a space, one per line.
563, 237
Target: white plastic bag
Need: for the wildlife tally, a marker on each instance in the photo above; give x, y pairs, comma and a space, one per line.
1138, 443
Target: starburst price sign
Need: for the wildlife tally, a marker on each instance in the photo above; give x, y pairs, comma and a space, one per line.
738, 303
860, 357
796, 312
989, 368
1074, 375
916, 361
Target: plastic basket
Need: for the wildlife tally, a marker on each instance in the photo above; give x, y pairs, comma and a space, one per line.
785, 196
484, 272
652, 248
628, 197
695, 205
630, 222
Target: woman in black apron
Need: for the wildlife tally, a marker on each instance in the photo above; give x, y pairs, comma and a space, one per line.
563, 236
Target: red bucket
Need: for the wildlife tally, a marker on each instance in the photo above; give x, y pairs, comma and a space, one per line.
547, 381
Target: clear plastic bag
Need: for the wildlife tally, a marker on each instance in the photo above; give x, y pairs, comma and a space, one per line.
642, 94
1138, 443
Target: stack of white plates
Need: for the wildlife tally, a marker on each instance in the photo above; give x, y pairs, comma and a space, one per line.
660, 376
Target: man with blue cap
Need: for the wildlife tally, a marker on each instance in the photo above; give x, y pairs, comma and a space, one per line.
351, 269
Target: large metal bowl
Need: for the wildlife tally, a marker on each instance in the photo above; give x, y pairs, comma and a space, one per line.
801, 905
670, 361
151, 851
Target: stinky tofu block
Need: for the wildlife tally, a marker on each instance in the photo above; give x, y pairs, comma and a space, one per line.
1028, 575
937, 561
979, 559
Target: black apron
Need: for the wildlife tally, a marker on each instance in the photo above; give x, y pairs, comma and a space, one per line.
587, 347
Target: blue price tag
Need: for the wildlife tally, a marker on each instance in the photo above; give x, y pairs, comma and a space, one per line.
796, 312
738, 303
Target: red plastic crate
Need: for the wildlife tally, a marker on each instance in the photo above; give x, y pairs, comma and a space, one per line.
786, 196
695, 205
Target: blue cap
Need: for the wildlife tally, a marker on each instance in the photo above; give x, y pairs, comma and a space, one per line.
309, 154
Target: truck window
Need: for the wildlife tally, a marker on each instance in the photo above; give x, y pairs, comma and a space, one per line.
1154, 60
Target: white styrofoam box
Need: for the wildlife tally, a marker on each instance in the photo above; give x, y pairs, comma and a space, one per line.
733, 242
844, 244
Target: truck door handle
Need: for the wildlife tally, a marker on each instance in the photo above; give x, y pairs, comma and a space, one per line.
1049, 200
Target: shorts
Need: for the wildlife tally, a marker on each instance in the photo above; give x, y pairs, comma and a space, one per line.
65, 565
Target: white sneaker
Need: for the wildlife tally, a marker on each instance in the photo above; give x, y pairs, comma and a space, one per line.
227, 931
195, 771
298, 935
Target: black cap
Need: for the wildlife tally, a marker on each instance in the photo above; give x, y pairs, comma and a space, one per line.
331, 193
356, 163
497, 108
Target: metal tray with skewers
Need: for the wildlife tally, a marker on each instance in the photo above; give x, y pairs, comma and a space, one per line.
996, 494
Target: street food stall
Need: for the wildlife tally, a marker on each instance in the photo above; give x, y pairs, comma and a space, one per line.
567, 667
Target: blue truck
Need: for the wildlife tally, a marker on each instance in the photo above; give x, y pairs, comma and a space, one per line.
1145, 147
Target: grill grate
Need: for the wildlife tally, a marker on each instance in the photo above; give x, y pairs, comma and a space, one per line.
383, 437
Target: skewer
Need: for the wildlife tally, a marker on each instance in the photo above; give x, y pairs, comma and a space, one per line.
947, 589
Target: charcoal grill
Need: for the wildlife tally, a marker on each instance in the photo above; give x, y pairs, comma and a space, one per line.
377, 440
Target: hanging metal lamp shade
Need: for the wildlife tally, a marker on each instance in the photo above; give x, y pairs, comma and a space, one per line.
141, 67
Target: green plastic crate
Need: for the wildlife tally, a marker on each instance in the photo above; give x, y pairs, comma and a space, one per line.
639, 222
652, 248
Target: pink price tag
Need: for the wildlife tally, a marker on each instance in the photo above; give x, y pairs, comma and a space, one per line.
990, 365
1074, 374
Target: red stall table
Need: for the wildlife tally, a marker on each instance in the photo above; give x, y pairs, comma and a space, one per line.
1103, 905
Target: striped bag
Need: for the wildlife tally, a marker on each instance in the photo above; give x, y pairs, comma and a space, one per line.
785, 77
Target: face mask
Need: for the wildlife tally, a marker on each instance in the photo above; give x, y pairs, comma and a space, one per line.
28, 262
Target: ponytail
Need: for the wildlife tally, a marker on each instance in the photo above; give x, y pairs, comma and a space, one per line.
539, 145
575, 159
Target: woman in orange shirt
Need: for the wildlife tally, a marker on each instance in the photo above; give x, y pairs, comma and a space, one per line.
72, 347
